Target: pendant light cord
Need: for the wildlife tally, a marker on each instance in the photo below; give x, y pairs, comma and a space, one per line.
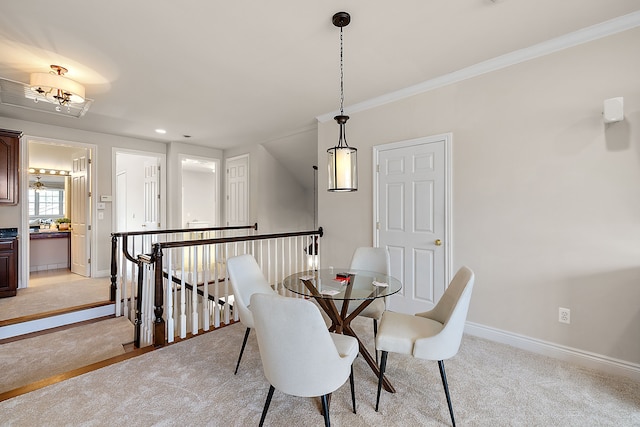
341, 77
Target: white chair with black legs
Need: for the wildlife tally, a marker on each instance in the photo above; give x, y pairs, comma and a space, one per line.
300, 357
246, 279
433, 335
376, 260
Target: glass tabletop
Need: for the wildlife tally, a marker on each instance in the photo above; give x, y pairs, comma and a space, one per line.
342, 284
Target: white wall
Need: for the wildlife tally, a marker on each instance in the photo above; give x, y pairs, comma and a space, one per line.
546, 205
198, 197
278, 202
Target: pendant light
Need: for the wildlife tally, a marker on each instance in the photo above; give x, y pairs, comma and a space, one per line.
343, 160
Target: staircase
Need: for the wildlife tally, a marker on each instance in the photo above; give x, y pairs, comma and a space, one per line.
36, 359
55, 329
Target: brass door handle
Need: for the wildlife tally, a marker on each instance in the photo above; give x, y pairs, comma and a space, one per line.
438, 242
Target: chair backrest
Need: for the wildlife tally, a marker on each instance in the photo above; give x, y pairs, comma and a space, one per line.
246, 279
298, 354
371, 259
451, 311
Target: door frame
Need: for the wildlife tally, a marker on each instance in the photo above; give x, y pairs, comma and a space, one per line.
218, 164
162, 159
24, 261
447, 138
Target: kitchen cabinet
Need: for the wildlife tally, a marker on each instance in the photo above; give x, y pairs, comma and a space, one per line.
9, 162
8, 267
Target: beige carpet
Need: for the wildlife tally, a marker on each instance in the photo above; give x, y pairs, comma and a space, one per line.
66, 290
32, 359
192, 383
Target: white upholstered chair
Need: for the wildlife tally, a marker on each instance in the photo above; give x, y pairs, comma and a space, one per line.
299, 355
246, 279
376, 260
432, 335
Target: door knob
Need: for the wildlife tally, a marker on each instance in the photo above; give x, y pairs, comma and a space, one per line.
438, 242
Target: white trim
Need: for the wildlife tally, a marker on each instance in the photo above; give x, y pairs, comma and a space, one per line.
37, 325
584, 35
576, 356
162, 157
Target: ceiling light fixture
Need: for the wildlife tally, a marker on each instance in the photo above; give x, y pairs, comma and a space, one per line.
56, 88
42, 171
38, 185
343, 160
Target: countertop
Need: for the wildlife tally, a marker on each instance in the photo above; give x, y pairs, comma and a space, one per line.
49, 234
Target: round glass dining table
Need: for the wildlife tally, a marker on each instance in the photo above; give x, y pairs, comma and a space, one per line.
353, 289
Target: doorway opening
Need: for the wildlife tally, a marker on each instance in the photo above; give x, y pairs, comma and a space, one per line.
56, 213
139, 191
200, 189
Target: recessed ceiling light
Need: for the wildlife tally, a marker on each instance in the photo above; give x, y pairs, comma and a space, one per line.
162, 131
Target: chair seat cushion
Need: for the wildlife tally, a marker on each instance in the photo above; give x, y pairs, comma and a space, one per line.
347, 346
398, 332
373, 310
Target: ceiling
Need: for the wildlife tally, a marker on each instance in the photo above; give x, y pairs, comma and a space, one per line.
233, 73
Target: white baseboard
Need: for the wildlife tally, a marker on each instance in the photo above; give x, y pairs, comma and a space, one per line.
36, 325
579, 357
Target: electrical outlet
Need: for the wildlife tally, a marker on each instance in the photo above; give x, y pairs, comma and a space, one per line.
564, 315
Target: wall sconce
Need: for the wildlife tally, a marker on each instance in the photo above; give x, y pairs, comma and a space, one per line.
613, 110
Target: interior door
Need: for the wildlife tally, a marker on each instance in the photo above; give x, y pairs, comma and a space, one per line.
80, 213
238, 191
411, 219
151, 194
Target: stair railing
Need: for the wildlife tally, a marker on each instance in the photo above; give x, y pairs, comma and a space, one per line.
125, 247
184, 287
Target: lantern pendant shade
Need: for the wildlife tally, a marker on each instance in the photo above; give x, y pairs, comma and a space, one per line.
342, 162
343, 168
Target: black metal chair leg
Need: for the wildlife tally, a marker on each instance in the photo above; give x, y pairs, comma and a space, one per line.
325, 410
446, 390
353, 392
246, 335
266, 405
383, 366
375, 334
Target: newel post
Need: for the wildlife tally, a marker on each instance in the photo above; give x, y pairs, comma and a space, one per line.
114, 267
159, 338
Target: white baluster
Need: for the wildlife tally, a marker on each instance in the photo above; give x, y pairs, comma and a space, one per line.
194, 293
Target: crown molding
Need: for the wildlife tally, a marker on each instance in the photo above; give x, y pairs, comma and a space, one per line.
585, 35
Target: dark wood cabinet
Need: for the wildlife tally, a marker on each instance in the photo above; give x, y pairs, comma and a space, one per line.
9, 163
8, 267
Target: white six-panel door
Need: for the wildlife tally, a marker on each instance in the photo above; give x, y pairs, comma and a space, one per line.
412, 211
238, 190
80, 214
152, 194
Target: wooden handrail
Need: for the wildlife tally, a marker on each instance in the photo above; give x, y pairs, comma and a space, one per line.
133, 259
